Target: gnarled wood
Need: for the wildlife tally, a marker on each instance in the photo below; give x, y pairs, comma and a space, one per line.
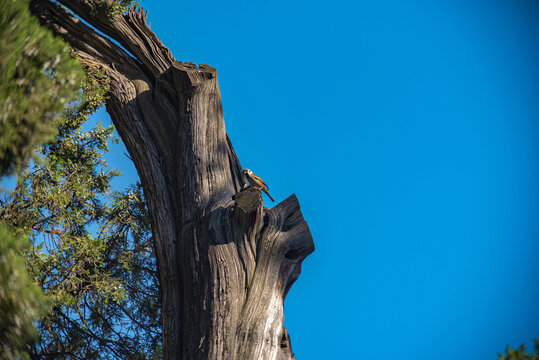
226, 263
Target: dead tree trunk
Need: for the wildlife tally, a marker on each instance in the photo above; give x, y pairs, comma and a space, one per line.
226, 263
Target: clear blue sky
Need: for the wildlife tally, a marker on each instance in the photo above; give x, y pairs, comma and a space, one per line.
409, 132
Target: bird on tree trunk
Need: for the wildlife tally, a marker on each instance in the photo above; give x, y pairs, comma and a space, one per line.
257, 182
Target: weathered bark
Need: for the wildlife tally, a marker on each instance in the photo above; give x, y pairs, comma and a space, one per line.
226, 263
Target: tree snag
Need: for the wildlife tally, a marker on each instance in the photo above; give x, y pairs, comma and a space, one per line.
226, 263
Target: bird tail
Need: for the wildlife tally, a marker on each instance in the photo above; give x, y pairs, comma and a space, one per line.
267, 193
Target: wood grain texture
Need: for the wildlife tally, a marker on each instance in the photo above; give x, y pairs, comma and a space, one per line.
226, 263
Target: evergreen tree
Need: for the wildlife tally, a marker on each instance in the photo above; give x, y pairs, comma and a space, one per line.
21, 302
87, 246
520, 353
37, 78
91, 253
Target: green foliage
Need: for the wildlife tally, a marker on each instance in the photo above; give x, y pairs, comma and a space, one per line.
520, 353
112, 8
38, 78
21, 301
92, 251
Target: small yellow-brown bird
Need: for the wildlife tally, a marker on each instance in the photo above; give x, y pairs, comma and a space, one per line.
257, 182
